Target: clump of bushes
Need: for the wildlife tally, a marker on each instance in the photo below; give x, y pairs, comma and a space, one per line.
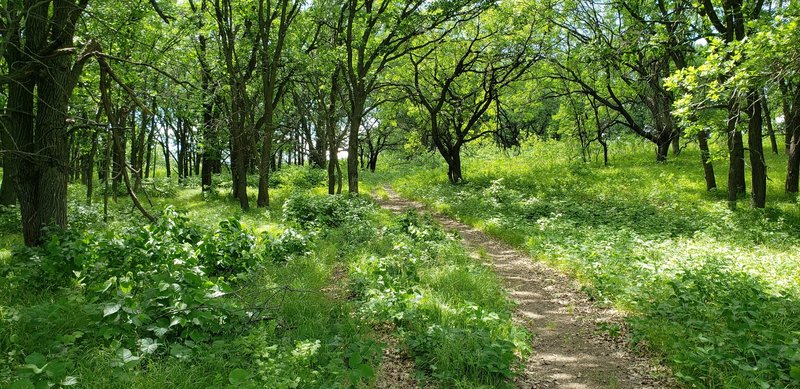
297, 177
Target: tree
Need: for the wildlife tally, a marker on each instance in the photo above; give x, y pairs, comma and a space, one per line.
458, 79
239, 68
727, 78
375, 36
43, 68
619, 54
271, 51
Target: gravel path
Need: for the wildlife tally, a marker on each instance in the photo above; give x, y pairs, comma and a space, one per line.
569, 349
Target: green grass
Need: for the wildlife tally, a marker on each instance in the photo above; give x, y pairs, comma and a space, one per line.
714, 291
310, 331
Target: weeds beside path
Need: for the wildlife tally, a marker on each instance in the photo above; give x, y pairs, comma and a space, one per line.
569, 348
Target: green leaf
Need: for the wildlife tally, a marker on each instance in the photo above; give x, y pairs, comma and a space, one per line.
36, 359
239, 377
126, 358
148, 346
69, 381
794, 372
366, 371
180, 351
22, 384
110, 309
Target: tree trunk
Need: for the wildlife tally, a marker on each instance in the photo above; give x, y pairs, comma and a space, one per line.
754, 142
705, 158
165, 148
662, 149
736, 183
768, 118
676, 144
330, 123
266, 154
454, 166
373, 162
149, 152
792, 123
352, 143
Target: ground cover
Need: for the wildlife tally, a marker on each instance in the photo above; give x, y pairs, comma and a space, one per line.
297, 295
714, 290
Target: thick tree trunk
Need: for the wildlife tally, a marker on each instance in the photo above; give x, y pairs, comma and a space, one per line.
736, 183
454, 166
352, 143
754, 142
705, 158
662, 149
42, 183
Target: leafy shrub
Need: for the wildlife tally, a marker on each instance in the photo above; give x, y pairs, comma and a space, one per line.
467, 343
730, 322
298, 177
82, 216
148, 284
286, 245
228, 250
419, 227
327, 211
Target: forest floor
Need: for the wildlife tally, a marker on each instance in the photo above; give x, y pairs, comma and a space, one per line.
569, 350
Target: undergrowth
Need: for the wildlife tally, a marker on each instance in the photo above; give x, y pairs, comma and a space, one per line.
208, 296
714, 291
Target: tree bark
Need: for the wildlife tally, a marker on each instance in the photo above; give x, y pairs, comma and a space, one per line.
768, 118
705, 158
736, 183
662, 149
758, 167
89, 167
352, 142
454, 167
792, 123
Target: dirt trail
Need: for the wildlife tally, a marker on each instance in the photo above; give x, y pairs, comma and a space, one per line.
569, 348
